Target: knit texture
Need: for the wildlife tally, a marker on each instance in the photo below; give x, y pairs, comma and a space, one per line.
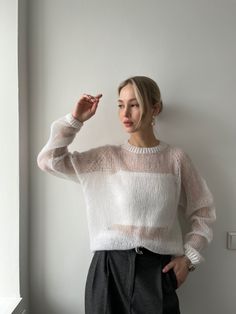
134, 195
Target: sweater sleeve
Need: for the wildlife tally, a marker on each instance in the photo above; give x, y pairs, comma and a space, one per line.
54, 157
197, 202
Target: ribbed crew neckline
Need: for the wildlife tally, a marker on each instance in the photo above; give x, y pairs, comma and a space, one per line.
144, 150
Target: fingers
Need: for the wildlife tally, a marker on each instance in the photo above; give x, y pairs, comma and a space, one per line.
91, 98
179, 267
168, 267
87, 106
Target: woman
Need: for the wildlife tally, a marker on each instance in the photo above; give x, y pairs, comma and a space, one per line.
134, 192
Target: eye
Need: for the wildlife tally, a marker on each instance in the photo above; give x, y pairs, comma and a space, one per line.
120, 106
135, 105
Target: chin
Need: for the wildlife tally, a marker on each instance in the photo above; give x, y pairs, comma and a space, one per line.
131, 131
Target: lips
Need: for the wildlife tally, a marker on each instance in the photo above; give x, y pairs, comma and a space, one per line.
128, 123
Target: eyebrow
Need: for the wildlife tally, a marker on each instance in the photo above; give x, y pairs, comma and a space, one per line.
120, 100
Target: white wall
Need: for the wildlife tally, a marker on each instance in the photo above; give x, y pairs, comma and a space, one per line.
9, 157
189, 48
13, 158
23, 155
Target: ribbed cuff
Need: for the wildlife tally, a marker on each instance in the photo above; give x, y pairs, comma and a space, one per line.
194, 256
74, 122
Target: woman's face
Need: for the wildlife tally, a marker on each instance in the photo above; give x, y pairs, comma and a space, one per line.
129, 109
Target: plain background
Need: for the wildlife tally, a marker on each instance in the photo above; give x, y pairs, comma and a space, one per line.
9, 157
189, 48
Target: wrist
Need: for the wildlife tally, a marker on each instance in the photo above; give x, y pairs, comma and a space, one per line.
76, 118
190, 266
73, 122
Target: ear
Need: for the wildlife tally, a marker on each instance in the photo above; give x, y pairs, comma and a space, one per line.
156, 109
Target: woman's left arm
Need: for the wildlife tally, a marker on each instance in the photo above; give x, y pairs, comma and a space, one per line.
197, 201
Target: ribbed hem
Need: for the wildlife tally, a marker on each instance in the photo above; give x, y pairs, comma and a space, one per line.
144, 150
74, 122
194, 256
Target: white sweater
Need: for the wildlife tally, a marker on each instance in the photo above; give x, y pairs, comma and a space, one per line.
134, 195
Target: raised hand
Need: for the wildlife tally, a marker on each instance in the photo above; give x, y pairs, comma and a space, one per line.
86, 107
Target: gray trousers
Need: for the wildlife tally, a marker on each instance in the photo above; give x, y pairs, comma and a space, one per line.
130, 282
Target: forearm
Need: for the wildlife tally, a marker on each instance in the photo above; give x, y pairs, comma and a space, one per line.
200, 233
63, 132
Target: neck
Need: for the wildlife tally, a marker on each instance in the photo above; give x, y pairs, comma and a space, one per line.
144, 139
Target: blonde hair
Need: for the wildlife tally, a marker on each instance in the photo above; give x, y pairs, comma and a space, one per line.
146, 92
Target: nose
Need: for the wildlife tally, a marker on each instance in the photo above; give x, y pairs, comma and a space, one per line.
126, 112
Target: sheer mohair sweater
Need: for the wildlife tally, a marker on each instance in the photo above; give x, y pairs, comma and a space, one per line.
134, 195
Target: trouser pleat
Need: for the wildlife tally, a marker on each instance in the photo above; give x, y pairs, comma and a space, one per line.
124, 282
